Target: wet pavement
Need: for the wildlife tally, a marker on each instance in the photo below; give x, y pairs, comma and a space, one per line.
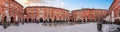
54, 27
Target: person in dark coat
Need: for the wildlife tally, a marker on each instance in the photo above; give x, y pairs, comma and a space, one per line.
99, 26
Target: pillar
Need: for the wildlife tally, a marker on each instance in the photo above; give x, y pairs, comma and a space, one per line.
86, 20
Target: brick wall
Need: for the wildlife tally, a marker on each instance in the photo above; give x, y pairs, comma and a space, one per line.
89, 14
46, 12
14, 9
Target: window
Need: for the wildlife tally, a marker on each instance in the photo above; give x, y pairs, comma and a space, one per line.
12, 13
40, 15
6, 11
41, 11
6, 4
119, 3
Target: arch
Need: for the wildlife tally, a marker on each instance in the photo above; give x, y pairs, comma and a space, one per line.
29, 20
5, 19
71, 20
49, 20
79, 20
91, 20
55, 20
41, 19
12, 20
35, 20
25, 20
84, 20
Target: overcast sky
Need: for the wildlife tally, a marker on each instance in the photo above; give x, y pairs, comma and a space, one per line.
68, 4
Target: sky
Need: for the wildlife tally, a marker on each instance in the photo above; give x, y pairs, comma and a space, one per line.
69, 4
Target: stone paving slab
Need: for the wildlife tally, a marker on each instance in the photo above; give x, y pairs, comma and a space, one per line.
32, 27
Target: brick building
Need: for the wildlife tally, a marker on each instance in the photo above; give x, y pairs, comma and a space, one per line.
115, 6
115, 10
89, 15
10, 10
46, 13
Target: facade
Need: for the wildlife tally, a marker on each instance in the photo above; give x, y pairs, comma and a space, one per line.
115, 11
89, 15
11, 11
46, 13
115, 7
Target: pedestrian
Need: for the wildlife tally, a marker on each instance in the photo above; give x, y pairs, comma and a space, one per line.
99, 26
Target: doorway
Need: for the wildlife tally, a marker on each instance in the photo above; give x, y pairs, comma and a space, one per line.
12, 20
5, 19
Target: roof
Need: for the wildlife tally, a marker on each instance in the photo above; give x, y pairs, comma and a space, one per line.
90, 9
17, 3
45, 7
112, 4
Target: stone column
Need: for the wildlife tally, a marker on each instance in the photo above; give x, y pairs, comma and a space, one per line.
86, 20
16, 18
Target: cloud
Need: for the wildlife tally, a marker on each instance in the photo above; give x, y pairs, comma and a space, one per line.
37, 1
62, 3
55, 3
